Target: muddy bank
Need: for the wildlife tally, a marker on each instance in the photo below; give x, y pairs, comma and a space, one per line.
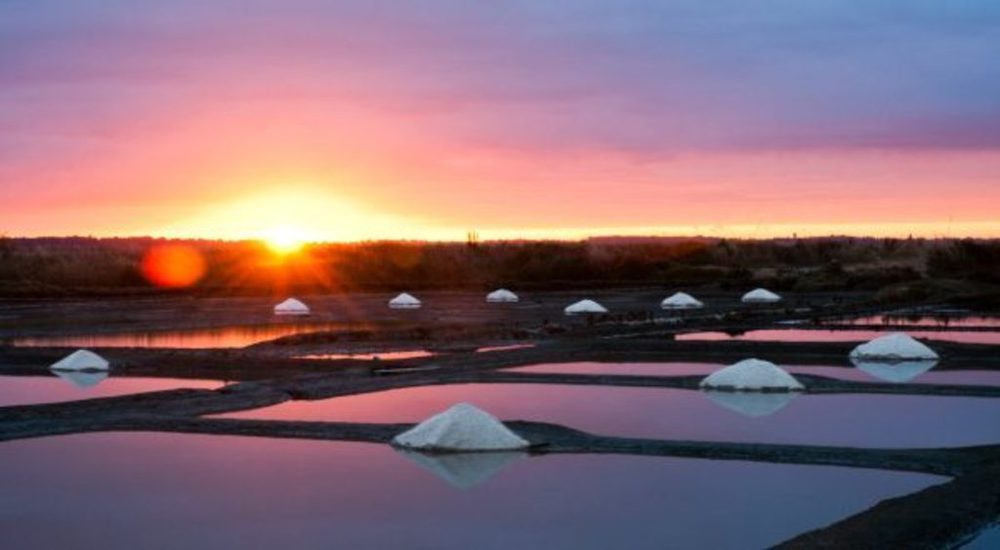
64, 317
48, 419
254, 364
179, 411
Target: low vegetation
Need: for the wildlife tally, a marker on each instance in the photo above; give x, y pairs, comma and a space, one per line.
900, 270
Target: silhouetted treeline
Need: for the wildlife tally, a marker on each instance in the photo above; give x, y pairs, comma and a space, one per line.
81, 266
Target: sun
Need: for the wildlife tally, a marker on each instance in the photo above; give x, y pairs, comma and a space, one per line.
285, 239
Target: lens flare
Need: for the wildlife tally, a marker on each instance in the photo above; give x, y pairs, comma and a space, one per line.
173, 265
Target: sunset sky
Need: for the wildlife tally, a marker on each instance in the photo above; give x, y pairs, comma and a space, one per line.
348, 120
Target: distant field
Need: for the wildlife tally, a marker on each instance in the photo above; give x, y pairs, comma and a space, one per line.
901, 270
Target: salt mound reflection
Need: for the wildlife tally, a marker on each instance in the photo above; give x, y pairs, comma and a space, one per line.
753, 404
894, 371
462, 470
81, 379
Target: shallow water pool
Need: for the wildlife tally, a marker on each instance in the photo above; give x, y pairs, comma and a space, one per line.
188, 491
823, 335
846, 372
32, 390
865, 420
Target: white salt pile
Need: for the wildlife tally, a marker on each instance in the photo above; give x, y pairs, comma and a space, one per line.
501, 296
291, 306
463, 427
752, 375
80, 359
585, 306
760, 296
893, 347
681, 300
404, 301
753, 404
463, 470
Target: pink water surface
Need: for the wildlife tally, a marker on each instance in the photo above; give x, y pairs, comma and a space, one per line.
821, 335
863, 420
30, 390
143, 490
844, 372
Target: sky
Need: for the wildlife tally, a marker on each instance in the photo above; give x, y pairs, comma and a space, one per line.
370, 119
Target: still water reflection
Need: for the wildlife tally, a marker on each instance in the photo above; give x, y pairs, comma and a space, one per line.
922, 321
822, 335
31, 390
219, 337
845, 372
383, 355
848, 420
116, 491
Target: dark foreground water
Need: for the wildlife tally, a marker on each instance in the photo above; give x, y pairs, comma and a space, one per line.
865, 420
146, 491
987, 540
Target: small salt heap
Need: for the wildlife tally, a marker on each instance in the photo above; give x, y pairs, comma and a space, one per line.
681, 300
760, 296
585, 306
405, 301
291, 306
502, 296
893, 347
81, 360
752, 375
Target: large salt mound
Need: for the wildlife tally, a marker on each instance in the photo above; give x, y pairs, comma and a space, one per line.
585, 306
463, 470
463, 427
893, 347
81, 359
681, 300
754, 404
404, 301
291, 306
752, 375
501, 296
895, 371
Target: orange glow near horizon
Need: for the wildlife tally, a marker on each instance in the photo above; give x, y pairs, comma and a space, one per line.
689, 196
285, 219
173, 266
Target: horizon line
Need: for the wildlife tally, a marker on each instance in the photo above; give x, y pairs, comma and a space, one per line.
626, 237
